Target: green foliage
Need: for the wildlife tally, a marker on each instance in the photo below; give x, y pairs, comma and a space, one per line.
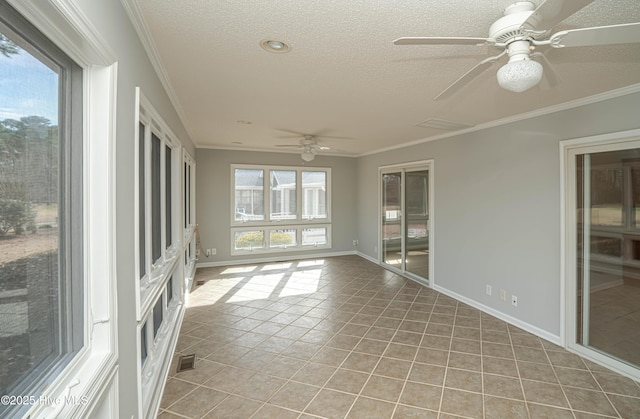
277, 238
250, 240
15, 215
255, 239
7, 46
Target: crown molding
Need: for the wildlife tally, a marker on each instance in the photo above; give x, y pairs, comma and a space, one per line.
137, 20
612, 94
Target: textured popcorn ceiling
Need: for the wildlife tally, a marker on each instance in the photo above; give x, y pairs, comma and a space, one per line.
345, 78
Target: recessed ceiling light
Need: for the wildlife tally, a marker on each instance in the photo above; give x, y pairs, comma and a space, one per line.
275, 46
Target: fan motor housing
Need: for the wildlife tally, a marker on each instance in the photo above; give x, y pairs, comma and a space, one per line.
507, 28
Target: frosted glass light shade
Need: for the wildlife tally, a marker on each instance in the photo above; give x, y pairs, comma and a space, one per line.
518, 76
307, 155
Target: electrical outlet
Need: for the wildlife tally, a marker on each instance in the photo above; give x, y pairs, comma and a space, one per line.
503, 295
514, 301
488, 289
208, 253
213, 251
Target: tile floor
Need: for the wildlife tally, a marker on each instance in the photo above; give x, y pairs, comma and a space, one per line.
342, 337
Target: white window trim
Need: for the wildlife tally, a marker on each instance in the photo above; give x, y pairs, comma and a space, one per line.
299, 223
160, 347
299, 220
189, 233
156, 274
92, 372
298, 247
568, 241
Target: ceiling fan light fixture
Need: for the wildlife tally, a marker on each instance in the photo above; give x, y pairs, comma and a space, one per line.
518, 76
307, 155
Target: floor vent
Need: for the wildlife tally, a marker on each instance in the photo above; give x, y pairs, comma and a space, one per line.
186, 362
200, 282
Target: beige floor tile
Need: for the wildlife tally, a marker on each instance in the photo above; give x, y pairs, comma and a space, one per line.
364, 342
347, 381
365, 408
589, 401
198, 402
421, 395
459, 402
500, 408
295, 396
234, 407
383, 388
331, 404
544, 393
464, 380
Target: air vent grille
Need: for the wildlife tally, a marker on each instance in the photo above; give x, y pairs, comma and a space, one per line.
186, 362
443, 124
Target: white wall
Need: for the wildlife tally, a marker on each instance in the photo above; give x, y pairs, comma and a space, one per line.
497, 207
213, 192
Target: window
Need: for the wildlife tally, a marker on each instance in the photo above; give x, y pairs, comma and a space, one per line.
156, 171
298, 201
41, 210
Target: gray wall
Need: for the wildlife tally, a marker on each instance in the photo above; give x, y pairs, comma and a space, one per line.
134, 69
497, 206
213, 192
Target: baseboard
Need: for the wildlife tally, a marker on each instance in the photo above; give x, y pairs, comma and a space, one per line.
273, 259
502, 316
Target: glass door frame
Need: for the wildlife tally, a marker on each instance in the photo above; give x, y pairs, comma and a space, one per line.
569, 150
425, 165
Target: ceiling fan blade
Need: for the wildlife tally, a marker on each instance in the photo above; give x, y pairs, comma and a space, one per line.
551, 12
443, 41
549, 74
599, 35
469, 75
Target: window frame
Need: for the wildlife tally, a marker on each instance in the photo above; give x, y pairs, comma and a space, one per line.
270, 223
157, 271
91, 373
569, 150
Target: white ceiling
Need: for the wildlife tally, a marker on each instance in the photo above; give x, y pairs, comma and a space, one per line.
344, 77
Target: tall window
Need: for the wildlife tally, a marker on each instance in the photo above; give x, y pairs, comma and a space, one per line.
155, 185
297, 201
41, 211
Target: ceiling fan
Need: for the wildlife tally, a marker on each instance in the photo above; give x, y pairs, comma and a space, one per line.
309, 146
523, 28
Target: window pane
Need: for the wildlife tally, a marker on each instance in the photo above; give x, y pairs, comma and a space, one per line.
157, 316
283, 195
141, 202
143, 344
186, 197
606, 196
249, 192
314, 195
156, 209
249, 240
170, 290
283, 237
314, 236
167, 186
41, 281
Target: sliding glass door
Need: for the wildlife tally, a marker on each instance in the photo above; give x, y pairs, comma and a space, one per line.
405, 215
604, 233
